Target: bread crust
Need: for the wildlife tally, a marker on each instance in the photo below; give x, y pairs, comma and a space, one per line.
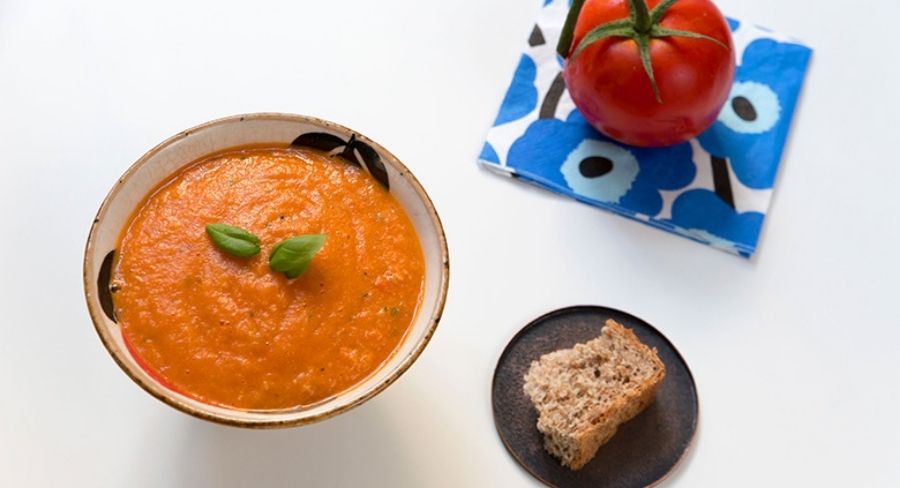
580, 446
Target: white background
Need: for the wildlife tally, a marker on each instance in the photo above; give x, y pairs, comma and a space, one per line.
795, 353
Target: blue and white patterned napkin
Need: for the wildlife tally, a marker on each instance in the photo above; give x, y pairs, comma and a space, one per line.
715, 189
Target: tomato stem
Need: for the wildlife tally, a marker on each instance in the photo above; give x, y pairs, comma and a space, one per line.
640, 15
641, 26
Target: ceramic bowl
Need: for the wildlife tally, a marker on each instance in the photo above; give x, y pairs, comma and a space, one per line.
166, 159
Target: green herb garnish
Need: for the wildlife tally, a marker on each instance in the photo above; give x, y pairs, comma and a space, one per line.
292, 256
233, 240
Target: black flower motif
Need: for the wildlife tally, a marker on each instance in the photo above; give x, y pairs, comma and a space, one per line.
354, 151
104, 288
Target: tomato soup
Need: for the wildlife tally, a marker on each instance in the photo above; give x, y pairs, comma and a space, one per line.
232, 332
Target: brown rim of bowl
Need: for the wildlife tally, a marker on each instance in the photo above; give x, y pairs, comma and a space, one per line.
159, 392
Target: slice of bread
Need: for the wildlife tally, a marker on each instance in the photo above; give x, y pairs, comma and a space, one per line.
583, 394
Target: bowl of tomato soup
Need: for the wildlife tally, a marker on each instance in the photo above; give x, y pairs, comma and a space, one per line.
266, 270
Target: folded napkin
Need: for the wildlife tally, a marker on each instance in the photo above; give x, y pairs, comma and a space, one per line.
715, 189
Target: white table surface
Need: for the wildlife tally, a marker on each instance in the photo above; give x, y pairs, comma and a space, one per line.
795, 353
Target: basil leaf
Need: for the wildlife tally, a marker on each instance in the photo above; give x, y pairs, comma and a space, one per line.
292, 256
233, 240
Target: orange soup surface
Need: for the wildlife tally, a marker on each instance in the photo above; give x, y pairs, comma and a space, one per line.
231, 331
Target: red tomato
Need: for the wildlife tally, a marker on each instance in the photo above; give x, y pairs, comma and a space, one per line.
612, 89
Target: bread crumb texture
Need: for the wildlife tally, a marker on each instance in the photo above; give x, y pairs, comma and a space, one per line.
584, 394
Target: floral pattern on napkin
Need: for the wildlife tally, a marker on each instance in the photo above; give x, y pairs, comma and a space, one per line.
715, 189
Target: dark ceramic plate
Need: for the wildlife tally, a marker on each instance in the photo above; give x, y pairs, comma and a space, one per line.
643, 451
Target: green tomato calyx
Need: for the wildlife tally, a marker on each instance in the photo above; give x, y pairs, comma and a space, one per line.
642, 25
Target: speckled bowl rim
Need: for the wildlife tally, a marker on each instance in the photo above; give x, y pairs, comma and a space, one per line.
163, 394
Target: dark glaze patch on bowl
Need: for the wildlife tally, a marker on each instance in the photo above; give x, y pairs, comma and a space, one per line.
104, 288
354, 151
